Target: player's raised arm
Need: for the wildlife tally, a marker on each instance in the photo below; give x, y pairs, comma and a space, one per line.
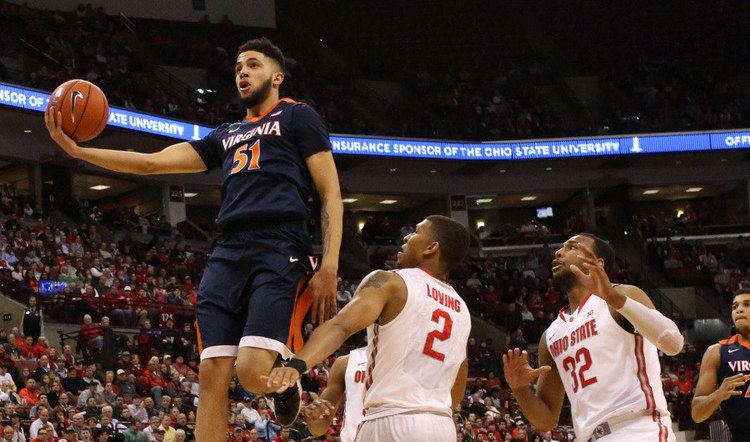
177, 158
542, 408
707, 396
629, 302
320, 413
365, 308
323, 285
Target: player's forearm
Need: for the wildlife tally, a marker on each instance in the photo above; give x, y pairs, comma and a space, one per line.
535, 410
117, 160
324, 341
654, 326
331, 223
704, 407
459, 385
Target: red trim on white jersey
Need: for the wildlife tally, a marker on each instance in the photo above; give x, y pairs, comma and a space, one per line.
648, 392
371, 365
584, 302
563, 310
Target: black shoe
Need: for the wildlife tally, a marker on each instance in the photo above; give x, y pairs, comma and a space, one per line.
288, 404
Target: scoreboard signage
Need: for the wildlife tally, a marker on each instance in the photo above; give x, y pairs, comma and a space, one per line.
35, 100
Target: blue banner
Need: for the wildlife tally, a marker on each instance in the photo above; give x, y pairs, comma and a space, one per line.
31, 99
49, 287
119, 117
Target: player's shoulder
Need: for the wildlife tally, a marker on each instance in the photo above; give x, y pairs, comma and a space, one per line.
340, 363
380, 278
712, 356
729, 341
223, 128
299, 109
627, 288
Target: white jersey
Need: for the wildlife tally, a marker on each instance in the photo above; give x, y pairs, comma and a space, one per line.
413, 360
354, 383
607, 372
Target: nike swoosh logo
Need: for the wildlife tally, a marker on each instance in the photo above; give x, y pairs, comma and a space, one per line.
235, 129
362, 363
291, 259
276, 113
73, 99
732, 351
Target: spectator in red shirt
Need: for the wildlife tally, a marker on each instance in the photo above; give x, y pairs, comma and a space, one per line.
68, 355
492, 382
283, 436
520, 433
19, 347
684, 382
535, 304
153, 379
30, 393
187, 285
41, 347
121, 301
92, 334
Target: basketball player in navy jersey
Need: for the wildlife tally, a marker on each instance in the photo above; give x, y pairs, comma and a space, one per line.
725, 372
251, 301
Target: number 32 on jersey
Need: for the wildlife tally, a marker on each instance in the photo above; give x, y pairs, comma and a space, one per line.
242, 161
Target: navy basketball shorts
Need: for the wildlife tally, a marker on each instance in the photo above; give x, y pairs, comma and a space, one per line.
253, 291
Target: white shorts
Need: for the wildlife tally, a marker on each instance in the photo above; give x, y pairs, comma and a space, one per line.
641, 429
408, 427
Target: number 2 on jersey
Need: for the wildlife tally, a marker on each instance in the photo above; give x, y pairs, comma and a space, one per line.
241, 160
569, 364
440, 335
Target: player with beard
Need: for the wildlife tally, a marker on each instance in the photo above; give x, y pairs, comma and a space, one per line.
725, 372
601, 350
252, 300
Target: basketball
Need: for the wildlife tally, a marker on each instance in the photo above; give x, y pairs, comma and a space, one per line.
83, 107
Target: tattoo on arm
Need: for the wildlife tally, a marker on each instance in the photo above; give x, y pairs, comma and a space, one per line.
325, 226
376, 280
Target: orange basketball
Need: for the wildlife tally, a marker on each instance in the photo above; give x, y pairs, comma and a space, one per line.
84, 109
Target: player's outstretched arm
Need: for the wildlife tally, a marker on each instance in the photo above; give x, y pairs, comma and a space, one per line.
365, 308
707, 396
177, 158
320, 413
542, 408
323, 285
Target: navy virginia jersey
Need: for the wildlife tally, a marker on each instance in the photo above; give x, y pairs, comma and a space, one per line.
735, 359
265, 176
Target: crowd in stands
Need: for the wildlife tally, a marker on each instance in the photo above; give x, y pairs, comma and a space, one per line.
89, 44
489, 101
667, 96
697, 218
499, 99
721, 268
143, 379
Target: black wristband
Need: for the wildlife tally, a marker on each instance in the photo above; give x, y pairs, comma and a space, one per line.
297, 364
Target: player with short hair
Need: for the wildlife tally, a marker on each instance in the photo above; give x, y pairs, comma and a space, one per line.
601, 351
251, 301
347, 379
417, 331
725, 372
